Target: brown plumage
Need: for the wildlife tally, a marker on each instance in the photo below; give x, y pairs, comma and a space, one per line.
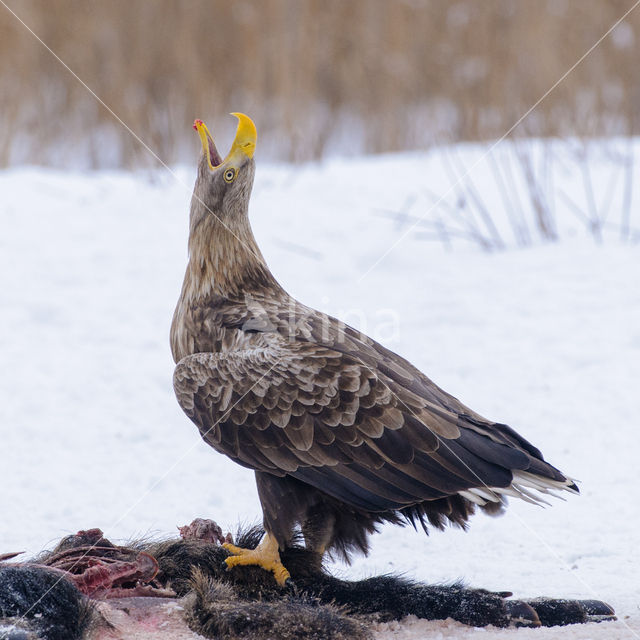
341, 432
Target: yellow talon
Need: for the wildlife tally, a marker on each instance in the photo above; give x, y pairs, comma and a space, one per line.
265, 555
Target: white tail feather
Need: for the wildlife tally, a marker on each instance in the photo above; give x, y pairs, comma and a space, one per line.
524, 486
472, 497
490, 496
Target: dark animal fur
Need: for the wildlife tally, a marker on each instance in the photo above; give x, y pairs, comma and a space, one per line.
50, 606
215, 611
386, 597
246, 602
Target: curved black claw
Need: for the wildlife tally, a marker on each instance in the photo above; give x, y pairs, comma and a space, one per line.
597, 610
291, 587
521, 614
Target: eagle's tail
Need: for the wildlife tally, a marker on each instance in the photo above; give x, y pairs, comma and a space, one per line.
525, 485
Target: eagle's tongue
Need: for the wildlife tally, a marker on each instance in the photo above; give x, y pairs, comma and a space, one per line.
214, 156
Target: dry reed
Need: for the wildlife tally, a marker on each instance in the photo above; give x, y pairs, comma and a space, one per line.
319, 76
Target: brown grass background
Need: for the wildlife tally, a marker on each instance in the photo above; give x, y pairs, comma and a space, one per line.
318, 76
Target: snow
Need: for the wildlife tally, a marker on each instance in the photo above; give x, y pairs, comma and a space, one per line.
545, 338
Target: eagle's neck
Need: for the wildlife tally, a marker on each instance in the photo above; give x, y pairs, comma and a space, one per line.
224, 261
225, 271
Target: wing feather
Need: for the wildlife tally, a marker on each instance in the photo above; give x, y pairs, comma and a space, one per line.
371, 431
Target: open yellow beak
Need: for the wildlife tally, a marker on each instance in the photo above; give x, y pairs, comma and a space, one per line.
243, 146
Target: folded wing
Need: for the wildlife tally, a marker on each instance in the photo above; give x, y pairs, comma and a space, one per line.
352, 430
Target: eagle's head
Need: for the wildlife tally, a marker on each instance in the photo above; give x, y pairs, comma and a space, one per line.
223, 255
223, 187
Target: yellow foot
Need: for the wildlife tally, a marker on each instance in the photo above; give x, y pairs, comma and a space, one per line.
265, 555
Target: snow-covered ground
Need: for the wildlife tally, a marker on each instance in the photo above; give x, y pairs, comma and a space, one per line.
546, 339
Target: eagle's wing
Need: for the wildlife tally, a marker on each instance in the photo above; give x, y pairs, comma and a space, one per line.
336, 423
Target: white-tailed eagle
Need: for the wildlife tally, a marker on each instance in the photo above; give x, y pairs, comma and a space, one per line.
342, 433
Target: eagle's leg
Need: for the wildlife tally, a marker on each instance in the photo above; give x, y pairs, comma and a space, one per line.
317, 530
265, 555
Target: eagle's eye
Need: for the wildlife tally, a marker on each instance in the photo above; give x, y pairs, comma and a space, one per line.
229, 175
